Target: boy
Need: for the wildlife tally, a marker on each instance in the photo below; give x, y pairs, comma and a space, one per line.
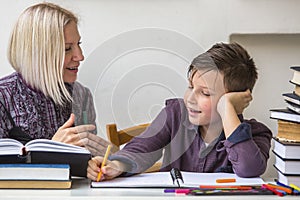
204, 132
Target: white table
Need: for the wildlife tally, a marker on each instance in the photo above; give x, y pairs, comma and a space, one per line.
81, 190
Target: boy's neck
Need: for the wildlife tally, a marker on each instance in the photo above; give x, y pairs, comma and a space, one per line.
211, 132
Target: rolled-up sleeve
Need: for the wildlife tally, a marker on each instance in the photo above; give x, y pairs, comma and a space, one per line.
248, 148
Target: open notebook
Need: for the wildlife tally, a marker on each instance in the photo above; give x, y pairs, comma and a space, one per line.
164, 180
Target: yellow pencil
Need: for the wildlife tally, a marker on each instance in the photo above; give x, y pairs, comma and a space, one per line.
104, 162
295, 187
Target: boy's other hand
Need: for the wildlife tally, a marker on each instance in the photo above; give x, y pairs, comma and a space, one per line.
238, 100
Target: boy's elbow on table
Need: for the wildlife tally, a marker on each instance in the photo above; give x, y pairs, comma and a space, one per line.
251, 168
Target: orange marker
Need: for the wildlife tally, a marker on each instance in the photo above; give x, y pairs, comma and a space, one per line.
287, 190
226, 180
103, 162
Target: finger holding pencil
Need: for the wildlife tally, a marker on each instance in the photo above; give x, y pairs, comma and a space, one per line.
100, 168
103, 162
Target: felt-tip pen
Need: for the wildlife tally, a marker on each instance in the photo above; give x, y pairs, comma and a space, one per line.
275, 191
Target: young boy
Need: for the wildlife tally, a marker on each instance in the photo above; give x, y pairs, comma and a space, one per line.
205, 131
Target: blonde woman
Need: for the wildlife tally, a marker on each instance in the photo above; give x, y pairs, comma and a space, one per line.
42, 99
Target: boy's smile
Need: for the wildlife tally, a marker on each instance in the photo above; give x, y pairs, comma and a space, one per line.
192, 112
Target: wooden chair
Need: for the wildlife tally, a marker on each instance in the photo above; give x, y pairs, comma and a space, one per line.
120, 137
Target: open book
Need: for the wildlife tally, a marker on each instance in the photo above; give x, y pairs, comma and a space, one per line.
164, 180
45, 151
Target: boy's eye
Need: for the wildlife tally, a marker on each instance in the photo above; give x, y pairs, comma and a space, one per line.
206, 93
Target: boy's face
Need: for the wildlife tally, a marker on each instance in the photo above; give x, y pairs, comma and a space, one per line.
202, 96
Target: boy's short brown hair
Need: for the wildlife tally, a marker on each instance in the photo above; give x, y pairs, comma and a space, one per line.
233, 61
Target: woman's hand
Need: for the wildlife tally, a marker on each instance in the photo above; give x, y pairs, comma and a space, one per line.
111, 170
81, 136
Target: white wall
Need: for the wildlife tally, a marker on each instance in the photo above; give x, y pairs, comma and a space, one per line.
274, 54
137, 51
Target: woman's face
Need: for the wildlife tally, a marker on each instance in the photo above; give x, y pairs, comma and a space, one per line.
73, 52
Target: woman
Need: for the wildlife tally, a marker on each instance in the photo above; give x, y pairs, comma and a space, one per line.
42, 99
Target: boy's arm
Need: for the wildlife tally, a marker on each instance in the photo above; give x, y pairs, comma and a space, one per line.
248, 148
229, 106
143, 151
247, 144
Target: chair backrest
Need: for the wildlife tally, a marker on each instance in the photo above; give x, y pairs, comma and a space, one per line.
120, 137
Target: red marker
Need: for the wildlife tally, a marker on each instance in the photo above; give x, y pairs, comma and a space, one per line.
273, 190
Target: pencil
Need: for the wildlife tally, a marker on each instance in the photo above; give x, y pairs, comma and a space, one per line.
295, 187
103, 162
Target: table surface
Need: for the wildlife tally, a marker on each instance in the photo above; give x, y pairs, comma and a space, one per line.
81, 190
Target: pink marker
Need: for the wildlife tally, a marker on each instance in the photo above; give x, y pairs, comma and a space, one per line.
182, 191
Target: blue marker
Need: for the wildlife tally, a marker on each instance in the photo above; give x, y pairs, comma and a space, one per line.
287, 186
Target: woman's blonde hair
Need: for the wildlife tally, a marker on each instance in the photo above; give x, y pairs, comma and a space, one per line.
37, 49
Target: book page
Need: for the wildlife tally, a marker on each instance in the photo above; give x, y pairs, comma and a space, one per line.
10, 147
195, 179
164, 180
50, 145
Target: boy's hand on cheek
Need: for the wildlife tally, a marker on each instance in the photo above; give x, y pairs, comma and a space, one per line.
229, 106
236, 100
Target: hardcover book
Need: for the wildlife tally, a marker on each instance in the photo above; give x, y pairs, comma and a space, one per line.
43, 151
296, 75
34, 171
287, 150
291, 97
285, 114
289, 131
297, 90
35, 184
288, 178
287, 166
294, 107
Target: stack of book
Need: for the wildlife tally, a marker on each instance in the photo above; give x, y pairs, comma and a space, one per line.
287, 161
41, 163
287, 140
292, 111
